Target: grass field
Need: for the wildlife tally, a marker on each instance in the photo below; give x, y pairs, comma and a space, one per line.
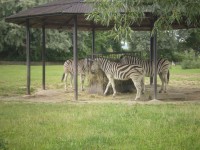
102, 126
47, 126
13, 78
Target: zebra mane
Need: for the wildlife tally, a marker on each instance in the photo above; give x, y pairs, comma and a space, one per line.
102, 59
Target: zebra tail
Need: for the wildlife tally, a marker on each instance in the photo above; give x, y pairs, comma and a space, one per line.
168, 74
63, 77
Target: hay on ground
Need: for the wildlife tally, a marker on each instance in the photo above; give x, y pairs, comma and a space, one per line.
98, 82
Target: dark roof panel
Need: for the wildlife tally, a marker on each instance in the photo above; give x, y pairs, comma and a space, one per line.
79, 8
61, 2
62, 6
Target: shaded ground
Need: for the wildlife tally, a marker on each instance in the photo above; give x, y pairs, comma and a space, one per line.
175, 95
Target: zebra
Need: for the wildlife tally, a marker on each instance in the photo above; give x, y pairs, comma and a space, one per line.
163, 66
68, 69
116, 71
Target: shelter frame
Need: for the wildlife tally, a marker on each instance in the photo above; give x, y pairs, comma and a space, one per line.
72, 16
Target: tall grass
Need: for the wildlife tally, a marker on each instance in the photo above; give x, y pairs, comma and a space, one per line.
98, 126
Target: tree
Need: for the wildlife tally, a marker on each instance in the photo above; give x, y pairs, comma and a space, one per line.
193, 41
167, 43
12, 41
58, 42
166, 12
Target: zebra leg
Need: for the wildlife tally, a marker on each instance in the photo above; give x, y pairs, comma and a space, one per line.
65, 80
107, 87
165, 83
138, 88
113, 86
82, 81
162, 80
71, 80
143, 86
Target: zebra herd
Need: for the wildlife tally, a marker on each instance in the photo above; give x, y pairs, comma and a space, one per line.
129, 67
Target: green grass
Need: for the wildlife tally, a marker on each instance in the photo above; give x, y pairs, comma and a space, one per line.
178, 70
99, 126
185, 76
13, 78
44, 126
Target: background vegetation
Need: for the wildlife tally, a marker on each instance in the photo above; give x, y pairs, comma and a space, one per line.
175, 45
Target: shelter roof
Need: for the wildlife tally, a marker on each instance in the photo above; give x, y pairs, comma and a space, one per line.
59, 14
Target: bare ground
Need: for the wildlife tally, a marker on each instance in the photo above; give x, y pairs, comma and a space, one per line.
175, 95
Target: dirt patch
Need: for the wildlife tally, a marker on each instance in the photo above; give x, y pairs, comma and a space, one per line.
174, 95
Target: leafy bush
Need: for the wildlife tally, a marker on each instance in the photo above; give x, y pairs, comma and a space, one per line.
191, 61
190, 64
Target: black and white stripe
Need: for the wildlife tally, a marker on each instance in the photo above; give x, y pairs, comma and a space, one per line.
68, 69
163, 66
120, 72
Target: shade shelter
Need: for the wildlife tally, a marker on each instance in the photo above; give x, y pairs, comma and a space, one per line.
70, 14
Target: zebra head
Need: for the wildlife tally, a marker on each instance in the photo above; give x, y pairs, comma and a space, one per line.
87, 64
95, 66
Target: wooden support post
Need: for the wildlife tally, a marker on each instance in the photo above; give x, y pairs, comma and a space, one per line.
151, 57
155, 64
93, 42
75, 54
43, 56
28, 64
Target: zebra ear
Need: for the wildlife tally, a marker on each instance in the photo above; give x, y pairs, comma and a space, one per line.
90, 59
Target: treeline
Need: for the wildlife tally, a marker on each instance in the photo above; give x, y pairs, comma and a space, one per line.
58, 42
175, 45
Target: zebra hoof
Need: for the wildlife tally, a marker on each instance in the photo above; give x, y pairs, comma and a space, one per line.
138, 98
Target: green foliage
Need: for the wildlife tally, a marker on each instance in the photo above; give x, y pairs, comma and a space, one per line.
190, 64
139, 41
105, 41
167, 44
190, 61
166, 12
193, 41
13, 35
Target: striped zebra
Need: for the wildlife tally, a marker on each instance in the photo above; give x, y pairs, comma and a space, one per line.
68, 69
162, 68
116, 71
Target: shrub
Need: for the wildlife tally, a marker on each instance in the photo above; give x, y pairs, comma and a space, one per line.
191, 64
